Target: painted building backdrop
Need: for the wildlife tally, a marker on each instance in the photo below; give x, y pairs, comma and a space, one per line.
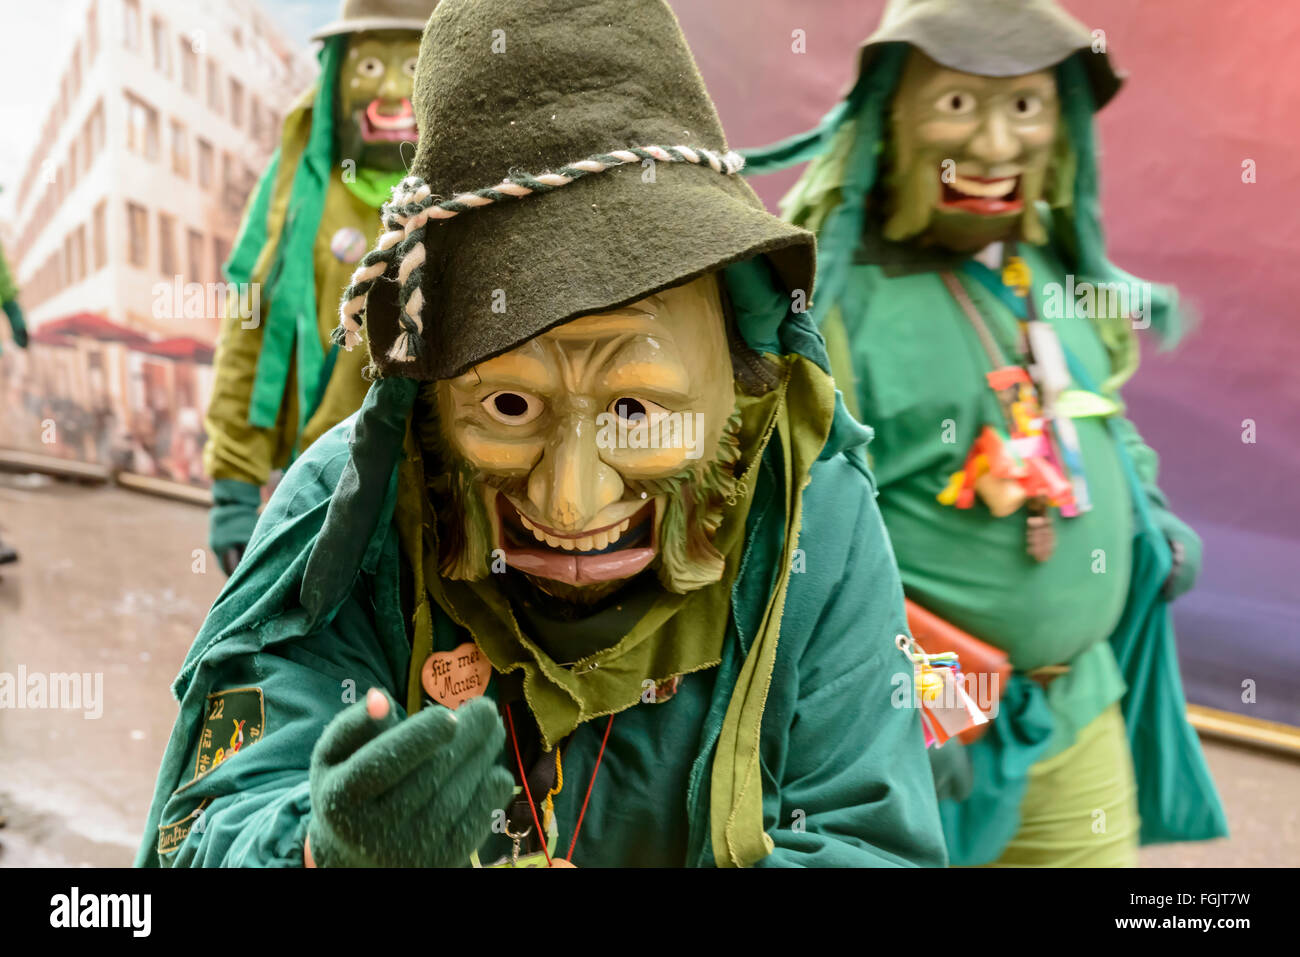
151, 138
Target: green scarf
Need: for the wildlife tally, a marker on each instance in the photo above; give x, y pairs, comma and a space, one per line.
845, 149
803, 426
290, 273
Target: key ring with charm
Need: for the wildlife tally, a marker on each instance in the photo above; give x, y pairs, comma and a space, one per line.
535, 859
516, 839
551, 860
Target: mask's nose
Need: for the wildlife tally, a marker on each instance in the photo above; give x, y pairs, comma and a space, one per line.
395, 88
996, 141
571, 484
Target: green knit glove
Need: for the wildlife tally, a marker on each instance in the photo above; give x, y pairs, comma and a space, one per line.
15, 314
407, 792
232, 520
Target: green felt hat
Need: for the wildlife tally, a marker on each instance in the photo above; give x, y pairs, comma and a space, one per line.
570, 162
359, 16
993, 38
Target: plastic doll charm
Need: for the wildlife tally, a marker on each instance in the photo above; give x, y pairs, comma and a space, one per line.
1036, 462
947, 710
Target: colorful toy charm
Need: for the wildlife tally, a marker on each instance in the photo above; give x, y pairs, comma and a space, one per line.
947, 709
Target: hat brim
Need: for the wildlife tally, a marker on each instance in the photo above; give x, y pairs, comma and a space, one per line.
498, 276
369, 24
962, 37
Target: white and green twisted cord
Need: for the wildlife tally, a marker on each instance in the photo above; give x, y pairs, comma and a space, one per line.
413, 205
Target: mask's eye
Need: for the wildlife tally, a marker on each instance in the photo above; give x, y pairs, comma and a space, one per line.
636, 412
409, 66
956, 103
513, 408
1026, 106
371, 67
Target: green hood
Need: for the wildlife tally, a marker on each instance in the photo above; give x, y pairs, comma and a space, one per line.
844, 149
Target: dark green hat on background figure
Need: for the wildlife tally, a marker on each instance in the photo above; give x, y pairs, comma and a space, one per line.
570, 162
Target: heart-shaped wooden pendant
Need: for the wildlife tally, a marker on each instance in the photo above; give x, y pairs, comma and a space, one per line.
453, 677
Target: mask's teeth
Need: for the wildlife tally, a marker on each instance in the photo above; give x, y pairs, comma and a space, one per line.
586, 543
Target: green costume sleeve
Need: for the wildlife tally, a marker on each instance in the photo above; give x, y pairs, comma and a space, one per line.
254, 806
233, 516
850, 784
1146, 463
281, 667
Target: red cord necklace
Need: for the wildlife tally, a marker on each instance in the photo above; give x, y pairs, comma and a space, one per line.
519, 761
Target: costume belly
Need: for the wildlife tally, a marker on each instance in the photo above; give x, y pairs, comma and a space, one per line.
921, 372
972, 569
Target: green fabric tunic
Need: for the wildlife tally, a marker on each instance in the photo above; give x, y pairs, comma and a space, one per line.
646, 765
915, 366
919, 370
921, 365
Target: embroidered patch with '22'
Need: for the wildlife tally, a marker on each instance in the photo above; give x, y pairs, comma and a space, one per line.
234, 721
